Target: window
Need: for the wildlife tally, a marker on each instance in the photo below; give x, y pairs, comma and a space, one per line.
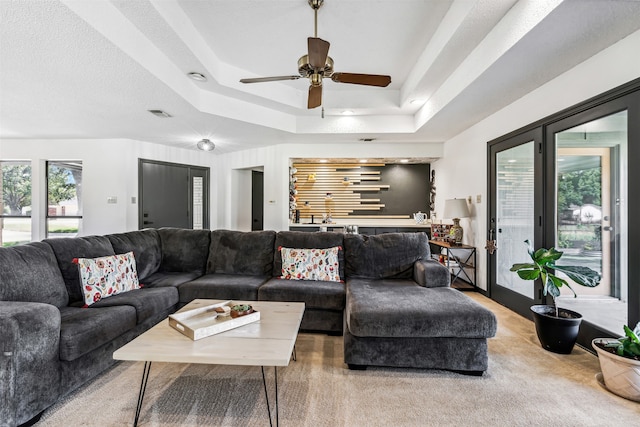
15, 203
64, 198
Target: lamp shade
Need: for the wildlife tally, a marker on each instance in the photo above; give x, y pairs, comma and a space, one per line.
455, 208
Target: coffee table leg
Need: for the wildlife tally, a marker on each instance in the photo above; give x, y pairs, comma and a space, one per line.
143, 388
266, 394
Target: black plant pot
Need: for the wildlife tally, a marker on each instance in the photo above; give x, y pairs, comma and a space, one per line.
556, 334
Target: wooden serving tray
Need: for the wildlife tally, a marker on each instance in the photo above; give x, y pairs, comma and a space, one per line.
202, 322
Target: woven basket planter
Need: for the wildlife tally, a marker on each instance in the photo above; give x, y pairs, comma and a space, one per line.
621, 375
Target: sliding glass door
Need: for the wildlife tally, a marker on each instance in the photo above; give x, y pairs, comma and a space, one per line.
570, 181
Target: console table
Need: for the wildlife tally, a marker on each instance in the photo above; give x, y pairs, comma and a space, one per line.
460, 260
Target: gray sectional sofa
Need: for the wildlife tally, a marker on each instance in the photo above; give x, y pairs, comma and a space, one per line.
394, 305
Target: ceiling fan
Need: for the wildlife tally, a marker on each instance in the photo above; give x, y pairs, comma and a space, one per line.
317, 64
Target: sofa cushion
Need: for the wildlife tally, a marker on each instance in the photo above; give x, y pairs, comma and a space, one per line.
85, 329
66, 250
310, 264
147, 302
401, 308
184, 250
384, 256
107, 276
307, 240
315, 294
241, 252
145, 245
222, 286
30, 273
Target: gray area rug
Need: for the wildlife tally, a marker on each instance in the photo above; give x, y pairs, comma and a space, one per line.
524, 386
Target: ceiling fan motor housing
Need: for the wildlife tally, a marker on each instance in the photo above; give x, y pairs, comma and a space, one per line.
306, 70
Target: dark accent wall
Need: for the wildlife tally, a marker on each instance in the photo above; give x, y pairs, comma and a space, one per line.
408, 190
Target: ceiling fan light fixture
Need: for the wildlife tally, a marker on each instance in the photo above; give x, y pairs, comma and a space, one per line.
197, 77
206, 145
347, 113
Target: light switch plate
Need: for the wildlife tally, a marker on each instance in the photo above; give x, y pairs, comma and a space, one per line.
479, 198
112, 200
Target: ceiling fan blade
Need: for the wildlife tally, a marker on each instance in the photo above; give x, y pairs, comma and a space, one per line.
318, 52
315, 96
362, 79
268, 79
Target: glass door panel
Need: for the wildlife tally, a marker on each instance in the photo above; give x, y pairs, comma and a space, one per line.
591, 223
515, 193
514, 219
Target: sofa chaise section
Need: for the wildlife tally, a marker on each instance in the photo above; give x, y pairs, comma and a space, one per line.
401, 311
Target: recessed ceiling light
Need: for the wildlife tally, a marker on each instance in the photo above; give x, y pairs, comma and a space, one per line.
347, 113
198, 77
206, 145
416, 101
160, 113
323, 161
404, 161
363, 160
511, 160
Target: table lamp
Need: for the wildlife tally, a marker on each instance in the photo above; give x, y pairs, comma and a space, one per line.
455, 209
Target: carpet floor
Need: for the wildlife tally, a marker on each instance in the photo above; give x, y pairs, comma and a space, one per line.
524, 386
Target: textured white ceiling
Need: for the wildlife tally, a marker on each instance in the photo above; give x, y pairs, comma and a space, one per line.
92, 68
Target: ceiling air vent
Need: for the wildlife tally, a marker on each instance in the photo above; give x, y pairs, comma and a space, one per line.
160, 113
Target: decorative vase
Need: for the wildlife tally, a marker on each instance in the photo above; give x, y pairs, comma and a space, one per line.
621, 375
456, 232
556, 334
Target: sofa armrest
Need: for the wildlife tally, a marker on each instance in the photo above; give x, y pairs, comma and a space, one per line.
431, 274
29, 360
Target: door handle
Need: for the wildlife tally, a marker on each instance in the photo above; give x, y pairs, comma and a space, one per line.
607, 228
147, 222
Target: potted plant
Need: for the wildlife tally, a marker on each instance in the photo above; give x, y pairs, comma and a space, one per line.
557, 328
620, 363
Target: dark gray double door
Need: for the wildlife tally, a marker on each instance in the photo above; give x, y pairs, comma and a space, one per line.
172, 195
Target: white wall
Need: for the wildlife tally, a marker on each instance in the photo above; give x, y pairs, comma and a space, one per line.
110, 168
275, 161
462, 171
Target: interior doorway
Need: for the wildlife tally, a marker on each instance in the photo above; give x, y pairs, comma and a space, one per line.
257, 200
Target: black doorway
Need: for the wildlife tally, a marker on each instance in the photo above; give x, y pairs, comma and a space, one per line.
257, 200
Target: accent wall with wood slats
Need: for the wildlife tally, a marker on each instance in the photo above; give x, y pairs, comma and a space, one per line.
356, 190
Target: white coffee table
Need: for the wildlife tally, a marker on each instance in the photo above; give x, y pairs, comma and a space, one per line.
267, 342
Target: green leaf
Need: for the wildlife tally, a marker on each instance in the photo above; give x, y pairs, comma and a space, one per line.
581, 275
629, 333
530, 249
551, 286
547, 256
531, 274
517, 267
